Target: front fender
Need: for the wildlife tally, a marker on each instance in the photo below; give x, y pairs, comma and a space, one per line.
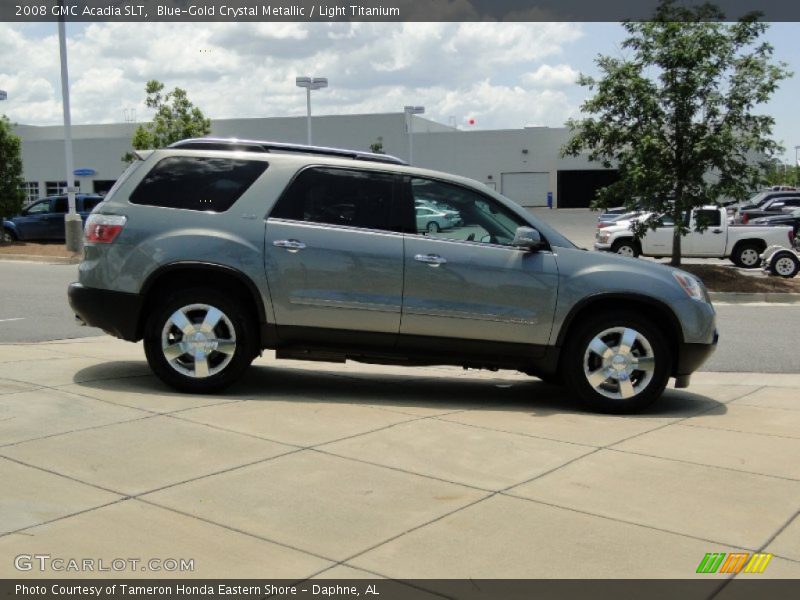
586, 277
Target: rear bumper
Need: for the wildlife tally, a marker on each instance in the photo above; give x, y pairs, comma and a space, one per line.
116, 313
692, 356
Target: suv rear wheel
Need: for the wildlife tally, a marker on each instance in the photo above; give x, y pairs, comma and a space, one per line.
617, 363
200, 341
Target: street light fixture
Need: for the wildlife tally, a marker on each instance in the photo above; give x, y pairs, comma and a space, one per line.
310, 83
3, 95
410, 111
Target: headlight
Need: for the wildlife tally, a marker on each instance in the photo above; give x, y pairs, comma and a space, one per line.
602, 236
691, 285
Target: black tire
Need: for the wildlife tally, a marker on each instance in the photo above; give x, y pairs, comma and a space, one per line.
626, 247
433, 227
610, 395
786, 265
8, 236
237, 323
745, 255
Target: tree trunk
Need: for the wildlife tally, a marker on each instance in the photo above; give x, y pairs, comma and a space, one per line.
676, 247
676, 235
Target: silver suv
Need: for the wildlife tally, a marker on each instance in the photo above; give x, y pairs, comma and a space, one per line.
213, 250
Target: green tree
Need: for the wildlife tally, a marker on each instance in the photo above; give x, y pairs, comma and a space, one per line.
11, 194
176, 118
377, 146
675, 114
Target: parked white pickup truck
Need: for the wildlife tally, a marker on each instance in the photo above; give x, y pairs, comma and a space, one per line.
742, 244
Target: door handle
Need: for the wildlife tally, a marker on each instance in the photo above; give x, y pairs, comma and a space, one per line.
290, 245
430, 259
717, 230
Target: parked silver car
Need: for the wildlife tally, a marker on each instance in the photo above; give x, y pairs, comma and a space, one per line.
213, 250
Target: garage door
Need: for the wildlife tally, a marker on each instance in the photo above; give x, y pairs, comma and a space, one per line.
577, 189
526, 189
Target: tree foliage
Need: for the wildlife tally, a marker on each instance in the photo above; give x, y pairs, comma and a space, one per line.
176, 118
11, 194
675, 114
377, 146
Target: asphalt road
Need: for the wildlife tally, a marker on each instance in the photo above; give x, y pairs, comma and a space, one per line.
33, 307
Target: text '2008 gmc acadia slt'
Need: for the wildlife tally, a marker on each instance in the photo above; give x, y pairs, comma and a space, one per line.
213, 250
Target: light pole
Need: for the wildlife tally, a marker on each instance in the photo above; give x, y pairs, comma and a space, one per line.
796, 165
310, 83
410, 111
73, 225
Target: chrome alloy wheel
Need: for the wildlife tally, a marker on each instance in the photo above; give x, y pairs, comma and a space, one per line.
198, 340
784, 266
619, 363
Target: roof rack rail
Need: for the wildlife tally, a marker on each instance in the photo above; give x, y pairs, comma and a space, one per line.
233, 144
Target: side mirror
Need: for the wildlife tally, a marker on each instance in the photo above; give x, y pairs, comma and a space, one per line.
528, 238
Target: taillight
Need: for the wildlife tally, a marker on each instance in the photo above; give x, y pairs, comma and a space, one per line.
745, 218
103, 229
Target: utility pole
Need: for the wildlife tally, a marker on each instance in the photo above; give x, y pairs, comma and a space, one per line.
73, 225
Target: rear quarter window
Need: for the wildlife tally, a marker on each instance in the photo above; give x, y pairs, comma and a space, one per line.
197, 183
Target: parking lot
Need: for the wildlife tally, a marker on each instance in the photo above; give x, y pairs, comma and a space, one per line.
322, 470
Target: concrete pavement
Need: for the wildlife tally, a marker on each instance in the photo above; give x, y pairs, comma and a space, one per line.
315, 469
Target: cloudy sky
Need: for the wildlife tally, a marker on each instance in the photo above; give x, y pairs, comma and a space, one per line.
504, 75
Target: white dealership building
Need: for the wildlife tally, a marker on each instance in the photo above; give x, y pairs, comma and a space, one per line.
524, 164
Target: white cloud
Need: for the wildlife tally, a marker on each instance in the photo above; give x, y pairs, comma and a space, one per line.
549, 76
500, 73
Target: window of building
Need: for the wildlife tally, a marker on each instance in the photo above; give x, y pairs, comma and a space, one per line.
197, 183
345, 197
54, 188
31, 190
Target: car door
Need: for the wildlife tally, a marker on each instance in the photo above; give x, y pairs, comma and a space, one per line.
54, 227
468, 282
334, 256
32, 223
711, 241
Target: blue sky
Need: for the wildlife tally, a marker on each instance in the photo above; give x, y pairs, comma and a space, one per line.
505, 75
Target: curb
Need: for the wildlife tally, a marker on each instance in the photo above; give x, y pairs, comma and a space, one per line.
742, 298
59, 260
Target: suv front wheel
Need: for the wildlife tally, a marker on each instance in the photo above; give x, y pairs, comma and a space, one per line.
617, 363
200, 341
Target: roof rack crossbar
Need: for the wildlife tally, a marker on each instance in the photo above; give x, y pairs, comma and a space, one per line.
234, 144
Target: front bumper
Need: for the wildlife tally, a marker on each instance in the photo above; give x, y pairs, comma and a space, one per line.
692, 356
602, 247
116, 313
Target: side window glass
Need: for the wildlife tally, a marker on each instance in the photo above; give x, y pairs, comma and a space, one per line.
456, 213
708, 218
60, 205
197, 183
342, 197
90, 203
39, 208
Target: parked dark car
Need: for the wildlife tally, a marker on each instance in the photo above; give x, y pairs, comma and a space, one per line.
771, 208
44, 219
790, 218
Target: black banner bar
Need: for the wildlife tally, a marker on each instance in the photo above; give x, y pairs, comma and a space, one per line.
383, 589
370, 10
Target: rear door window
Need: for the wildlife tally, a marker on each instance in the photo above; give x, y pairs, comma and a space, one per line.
197, 183
343, 197
60, 205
